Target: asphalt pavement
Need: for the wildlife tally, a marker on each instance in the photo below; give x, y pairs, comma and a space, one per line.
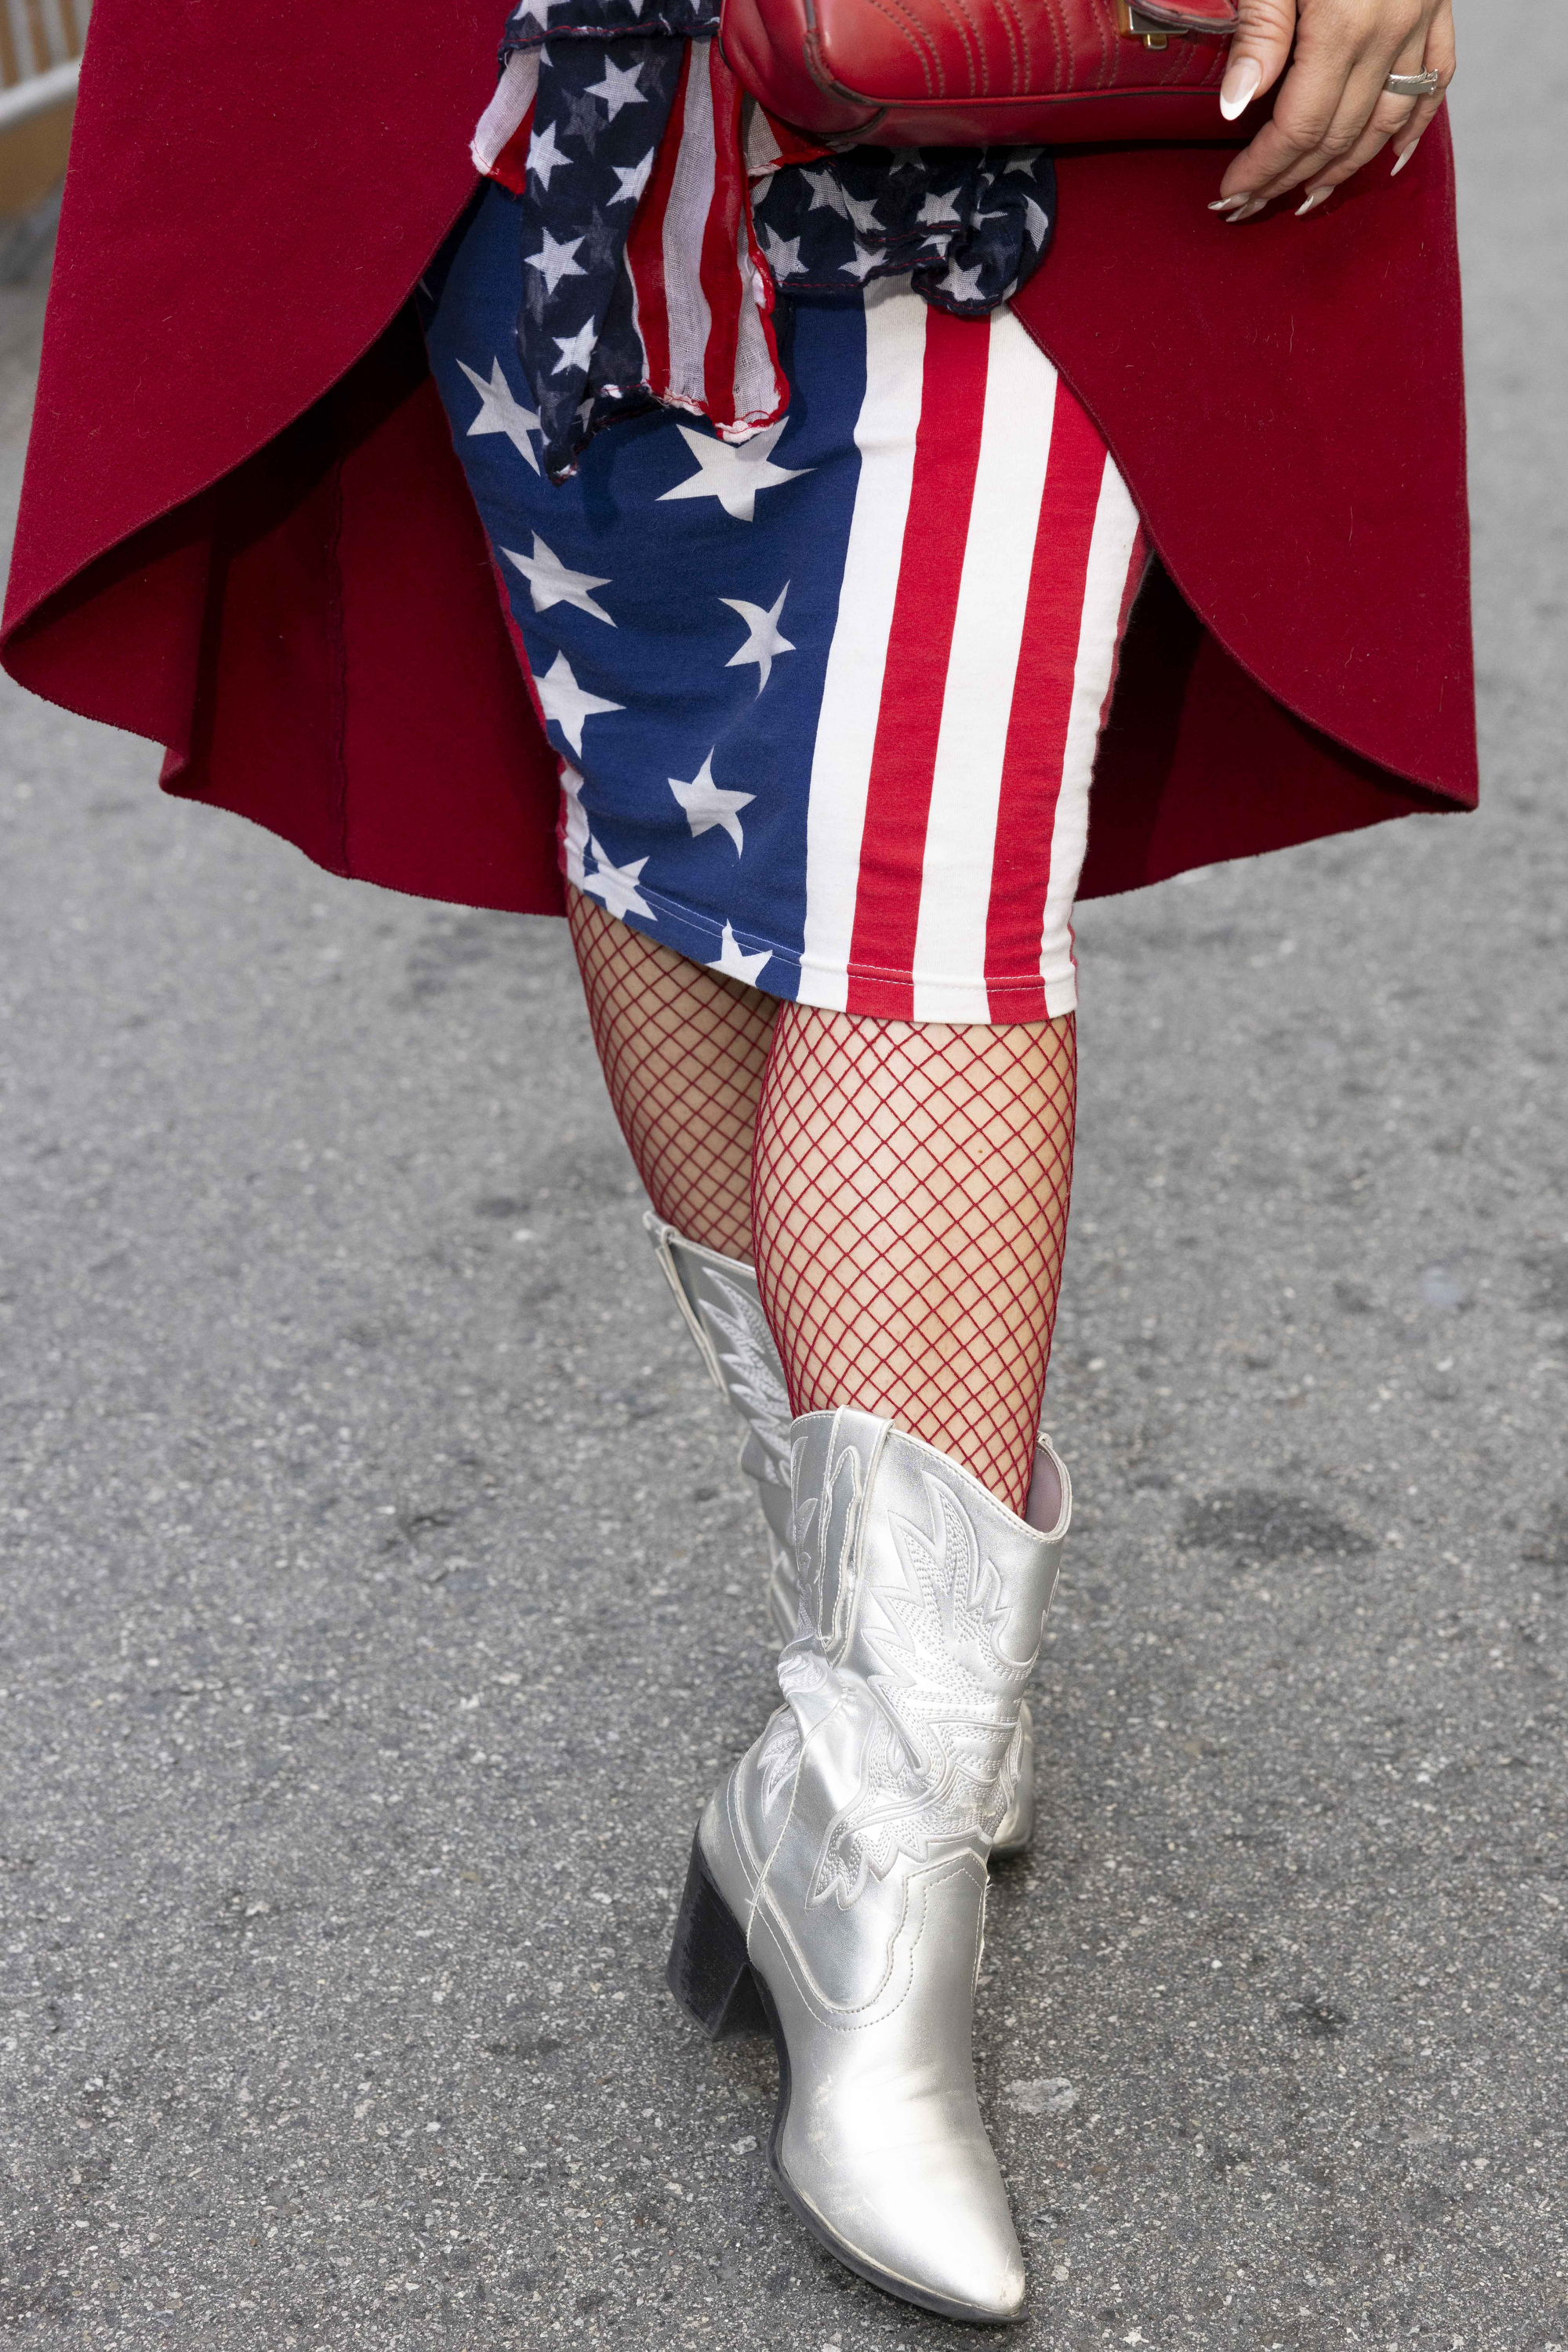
380, 1599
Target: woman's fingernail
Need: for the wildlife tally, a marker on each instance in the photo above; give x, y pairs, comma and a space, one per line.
1403, 158
1315, 197
1240, 88
1253, 204
1227, 204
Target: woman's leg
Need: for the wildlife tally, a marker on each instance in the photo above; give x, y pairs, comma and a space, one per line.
910, 1200
908, 1184
683, 1051
908, 1207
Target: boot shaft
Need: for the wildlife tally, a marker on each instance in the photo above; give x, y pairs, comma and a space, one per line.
870, 1804
722, 1309
924, 1602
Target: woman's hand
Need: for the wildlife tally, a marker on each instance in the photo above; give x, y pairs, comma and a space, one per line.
1332, 113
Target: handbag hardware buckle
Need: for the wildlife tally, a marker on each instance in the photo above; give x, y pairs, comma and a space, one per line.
1139, 28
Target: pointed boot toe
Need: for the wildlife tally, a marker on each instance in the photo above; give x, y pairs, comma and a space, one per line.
926, 2221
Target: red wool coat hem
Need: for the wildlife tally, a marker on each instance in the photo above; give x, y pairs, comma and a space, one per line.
245, 535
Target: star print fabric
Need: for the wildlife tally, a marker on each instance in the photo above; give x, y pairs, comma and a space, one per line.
967, 224
662, 213
827, 699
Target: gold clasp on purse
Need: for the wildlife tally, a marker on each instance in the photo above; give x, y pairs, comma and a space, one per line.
1139, 28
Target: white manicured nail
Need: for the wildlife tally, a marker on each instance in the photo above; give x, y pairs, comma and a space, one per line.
1227, 204
1254, 204
1315, 197
1404, 158
1240, 88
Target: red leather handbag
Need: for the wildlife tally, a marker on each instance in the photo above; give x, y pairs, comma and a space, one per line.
986, 73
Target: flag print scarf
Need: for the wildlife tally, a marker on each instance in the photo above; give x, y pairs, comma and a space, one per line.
662, 213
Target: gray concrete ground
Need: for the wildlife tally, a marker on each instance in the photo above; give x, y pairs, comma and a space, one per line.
381, 1600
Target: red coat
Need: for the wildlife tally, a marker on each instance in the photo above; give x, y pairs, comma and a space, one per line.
244, 534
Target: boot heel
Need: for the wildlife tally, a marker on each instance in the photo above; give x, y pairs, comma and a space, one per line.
709, 1972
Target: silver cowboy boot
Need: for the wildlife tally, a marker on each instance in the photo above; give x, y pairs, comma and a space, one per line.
722, 1309
838, 1881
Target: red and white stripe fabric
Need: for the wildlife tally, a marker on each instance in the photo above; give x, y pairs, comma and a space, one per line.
993, 555
703, 300
500, 145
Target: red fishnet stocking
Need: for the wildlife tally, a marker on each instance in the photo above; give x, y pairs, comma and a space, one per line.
683, 1051
908, 1207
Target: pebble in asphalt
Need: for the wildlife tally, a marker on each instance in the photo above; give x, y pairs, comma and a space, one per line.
381, 1599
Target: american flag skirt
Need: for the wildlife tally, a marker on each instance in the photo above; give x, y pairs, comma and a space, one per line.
827, 699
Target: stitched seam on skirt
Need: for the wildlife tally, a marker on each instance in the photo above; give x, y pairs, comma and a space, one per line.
1027, 985
1018, 985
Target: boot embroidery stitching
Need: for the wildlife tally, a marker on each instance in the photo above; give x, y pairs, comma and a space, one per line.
804, 1664
941, 1763
752, 1370
900, 1947
778, 1756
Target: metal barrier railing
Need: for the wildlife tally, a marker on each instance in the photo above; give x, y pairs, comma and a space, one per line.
40, 52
